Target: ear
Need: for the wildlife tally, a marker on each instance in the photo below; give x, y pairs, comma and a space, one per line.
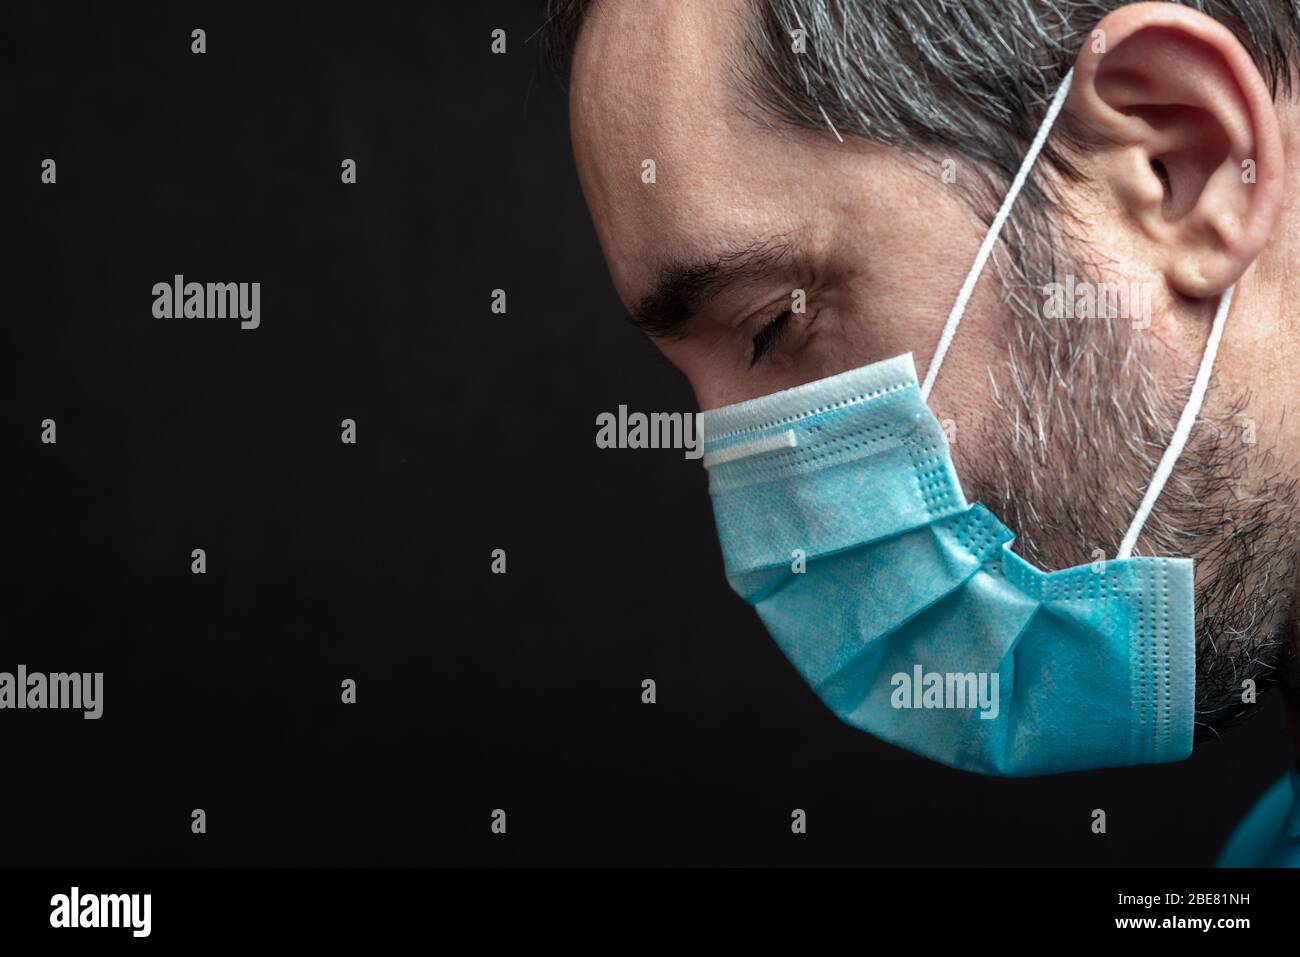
1187, 140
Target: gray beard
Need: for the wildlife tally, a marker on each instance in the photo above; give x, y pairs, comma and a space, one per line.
1087, 424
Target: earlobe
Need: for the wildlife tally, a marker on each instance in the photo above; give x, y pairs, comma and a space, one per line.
1187, 140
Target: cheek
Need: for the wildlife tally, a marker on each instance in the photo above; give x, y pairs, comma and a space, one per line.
718, 371
709, 365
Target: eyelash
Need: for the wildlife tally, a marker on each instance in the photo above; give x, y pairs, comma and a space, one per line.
769, 335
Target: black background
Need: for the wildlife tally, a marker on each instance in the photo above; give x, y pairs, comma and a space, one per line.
476, 431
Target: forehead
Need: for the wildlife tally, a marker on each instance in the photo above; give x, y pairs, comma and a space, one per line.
659, 80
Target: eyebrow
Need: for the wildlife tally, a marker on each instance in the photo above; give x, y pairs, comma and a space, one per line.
683, 288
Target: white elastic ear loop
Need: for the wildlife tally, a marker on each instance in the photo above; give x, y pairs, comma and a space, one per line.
1183, 430
991, 237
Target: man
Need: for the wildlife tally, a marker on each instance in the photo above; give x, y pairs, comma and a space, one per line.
785, 190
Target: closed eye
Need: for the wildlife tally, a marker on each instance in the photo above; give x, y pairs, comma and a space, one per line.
769, 335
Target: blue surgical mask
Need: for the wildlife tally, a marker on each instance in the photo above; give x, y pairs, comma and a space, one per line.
843, 522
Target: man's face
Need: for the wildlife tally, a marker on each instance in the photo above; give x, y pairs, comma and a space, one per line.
878, 255
746, 218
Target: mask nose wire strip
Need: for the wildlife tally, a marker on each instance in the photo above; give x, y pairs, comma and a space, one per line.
1184, 428
991, 237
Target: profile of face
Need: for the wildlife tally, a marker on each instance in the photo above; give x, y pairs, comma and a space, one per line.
783, 194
